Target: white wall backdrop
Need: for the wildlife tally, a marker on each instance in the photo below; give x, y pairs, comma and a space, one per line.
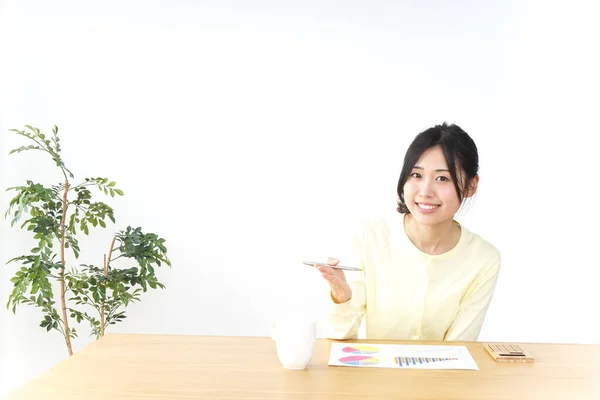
253, 135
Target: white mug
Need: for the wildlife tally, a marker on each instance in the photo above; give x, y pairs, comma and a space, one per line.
295, 342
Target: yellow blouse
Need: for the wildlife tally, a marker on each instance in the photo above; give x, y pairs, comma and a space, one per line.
405, 294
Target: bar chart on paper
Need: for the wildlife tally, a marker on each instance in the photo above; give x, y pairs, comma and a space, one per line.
401, 356
406, 361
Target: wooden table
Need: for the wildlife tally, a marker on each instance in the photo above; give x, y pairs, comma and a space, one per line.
199, 367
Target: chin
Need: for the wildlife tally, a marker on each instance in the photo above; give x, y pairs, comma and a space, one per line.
430, 219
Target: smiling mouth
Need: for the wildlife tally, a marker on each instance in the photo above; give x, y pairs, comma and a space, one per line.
427, 207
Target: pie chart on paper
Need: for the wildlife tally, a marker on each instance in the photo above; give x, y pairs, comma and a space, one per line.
359, 360
361, 349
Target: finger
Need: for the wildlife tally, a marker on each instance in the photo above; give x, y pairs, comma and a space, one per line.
337, 279
326, 270
332, 261
332, 279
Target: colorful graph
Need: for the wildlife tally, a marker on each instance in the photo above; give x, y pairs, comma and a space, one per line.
406, 361
361, 349
359, 360
400, 356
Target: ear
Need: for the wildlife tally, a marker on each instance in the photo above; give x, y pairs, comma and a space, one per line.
472, 186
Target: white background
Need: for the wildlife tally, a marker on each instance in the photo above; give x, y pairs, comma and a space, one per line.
253, 135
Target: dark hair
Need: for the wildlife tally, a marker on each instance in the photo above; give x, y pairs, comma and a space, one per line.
458, 148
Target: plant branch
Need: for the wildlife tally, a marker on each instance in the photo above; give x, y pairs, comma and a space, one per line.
62, 269
102, 304
49, 150
112, 312
106, 262
81, 185
61, 329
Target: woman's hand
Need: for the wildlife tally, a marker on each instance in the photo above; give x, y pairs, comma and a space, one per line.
340, 290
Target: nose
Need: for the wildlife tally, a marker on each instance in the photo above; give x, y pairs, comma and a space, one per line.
426, 190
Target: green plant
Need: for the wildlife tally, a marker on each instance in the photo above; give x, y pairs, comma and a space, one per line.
56, 216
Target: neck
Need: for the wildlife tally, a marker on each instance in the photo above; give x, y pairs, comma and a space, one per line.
432, 239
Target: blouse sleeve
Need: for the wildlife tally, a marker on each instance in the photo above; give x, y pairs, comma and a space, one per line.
474, 305
343, 320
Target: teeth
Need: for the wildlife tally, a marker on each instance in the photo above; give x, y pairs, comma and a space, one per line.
426, 207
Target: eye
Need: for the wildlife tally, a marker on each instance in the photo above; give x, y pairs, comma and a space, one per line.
443, 179
415, 175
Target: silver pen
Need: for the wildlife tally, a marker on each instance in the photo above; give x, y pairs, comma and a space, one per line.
314, 264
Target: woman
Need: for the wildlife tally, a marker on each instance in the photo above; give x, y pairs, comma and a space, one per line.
424, 276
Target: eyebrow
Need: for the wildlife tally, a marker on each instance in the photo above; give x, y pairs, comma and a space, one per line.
437, 170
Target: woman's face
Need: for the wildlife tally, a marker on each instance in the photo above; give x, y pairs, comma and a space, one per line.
429, 191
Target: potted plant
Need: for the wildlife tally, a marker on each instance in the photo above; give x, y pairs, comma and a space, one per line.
56, 216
